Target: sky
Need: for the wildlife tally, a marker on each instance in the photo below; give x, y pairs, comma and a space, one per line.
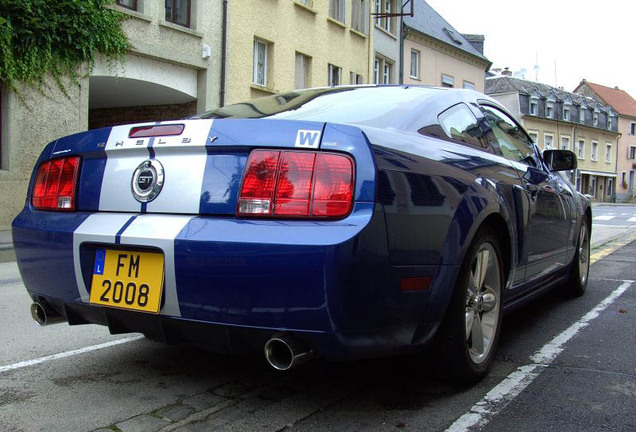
595, 40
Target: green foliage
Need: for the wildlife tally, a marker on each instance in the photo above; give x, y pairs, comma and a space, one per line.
40, 37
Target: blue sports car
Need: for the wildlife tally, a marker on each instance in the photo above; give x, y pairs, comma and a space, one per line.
343, 222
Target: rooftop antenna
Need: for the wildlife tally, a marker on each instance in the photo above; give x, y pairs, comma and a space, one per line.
536, 67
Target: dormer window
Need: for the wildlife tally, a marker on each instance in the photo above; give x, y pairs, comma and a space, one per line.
566, 112
582, 115
610, 122
534, 106
549, 109
595, 118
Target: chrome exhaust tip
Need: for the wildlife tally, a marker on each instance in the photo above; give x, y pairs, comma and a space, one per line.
44, 316
284, 352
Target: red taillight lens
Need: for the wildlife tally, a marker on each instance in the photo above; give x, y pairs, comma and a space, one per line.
156, 131
55, 182
297, 184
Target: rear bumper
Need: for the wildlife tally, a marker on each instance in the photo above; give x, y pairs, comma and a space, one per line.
230, 283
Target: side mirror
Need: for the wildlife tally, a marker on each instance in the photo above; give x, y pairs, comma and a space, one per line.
559, 160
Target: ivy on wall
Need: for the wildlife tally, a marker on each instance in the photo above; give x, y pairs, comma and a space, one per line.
41, 37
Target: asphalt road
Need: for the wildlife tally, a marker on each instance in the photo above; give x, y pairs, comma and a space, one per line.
559, 367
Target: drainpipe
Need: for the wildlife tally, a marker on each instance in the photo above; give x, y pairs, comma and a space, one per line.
223, 54
402, 29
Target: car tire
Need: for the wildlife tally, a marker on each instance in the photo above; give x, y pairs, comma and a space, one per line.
470, 330
579, 272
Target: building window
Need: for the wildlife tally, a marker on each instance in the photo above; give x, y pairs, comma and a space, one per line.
337, 10
128, 4
178, 12
610, 122
382, 8
580, 149
608, 152
382, 71
534, 136
566, 113
594, 151
565, 143
592, 187
335, 75
534, 106
595, 118
360, 16
469, 85
376, 71
548, 139
549, 109
415, 64
632, 128
582, 115
610, 186
303, 63
448, 81
355, 78
386, 73
631, 152
260, 62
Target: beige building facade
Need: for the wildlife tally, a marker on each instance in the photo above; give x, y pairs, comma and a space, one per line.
286, 45
556, 119
172, 70
436, 54
625, 106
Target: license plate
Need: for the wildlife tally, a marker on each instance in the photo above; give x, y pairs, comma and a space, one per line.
127, 280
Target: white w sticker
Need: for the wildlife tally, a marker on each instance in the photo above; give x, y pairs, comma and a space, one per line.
308, 138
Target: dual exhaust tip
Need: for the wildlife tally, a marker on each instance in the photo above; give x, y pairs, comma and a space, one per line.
284, 352
45, 315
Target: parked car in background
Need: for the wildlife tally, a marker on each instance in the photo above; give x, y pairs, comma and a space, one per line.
344, 222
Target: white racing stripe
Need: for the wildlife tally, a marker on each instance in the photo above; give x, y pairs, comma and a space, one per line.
146, 230
182, 156
507, 390
65, 354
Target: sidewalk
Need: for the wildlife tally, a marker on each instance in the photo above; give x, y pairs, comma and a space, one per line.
5, 240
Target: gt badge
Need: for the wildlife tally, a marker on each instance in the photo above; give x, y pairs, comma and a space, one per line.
147, 181
308, 139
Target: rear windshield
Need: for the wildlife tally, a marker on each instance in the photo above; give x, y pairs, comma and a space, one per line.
374, 106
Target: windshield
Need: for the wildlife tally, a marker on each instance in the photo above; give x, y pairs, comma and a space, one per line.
374, 106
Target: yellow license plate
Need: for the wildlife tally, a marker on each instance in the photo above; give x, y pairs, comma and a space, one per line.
127, 280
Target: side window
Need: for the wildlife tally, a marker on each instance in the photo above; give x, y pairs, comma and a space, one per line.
460, 124
508, 136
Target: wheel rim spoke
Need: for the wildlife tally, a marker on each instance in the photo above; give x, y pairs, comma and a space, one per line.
481, 268
477, 335
470, 318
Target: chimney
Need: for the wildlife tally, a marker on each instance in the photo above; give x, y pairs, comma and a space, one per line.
476, 40
506, 72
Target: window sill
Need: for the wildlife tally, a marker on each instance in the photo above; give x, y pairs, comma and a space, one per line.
305, 7
414, 78
262, 88
180, 28
358, 33
336, 22
130, 12
385, 31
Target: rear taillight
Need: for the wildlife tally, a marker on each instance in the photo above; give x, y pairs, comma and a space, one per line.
297, 184
54, 187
